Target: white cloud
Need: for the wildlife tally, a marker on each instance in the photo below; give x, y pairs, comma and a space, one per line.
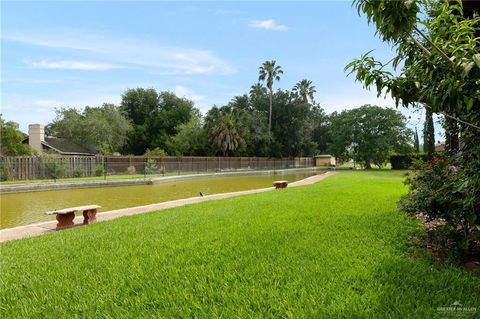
269, 24
119, 51
189, 94
72, 65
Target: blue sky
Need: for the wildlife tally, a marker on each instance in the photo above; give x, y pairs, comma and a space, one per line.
87, 53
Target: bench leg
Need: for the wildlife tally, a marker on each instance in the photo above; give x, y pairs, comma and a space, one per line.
65, 220
89, 216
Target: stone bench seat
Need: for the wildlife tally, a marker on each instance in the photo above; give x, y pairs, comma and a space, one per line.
280, 184
66, 216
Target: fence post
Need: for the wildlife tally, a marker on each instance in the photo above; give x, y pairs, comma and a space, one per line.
105, 166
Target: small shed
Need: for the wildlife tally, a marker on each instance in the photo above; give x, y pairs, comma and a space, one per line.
325, 160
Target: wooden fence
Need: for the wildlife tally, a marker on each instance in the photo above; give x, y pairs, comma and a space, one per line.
34, 167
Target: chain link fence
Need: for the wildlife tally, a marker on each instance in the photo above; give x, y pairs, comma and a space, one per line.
55, 167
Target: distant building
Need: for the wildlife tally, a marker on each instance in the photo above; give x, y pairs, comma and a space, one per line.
62, 146
325, 160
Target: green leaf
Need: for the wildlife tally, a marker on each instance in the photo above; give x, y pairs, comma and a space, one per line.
476, 59
466, 68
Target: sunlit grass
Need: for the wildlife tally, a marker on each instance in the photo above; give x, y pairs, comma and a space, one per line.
336, 249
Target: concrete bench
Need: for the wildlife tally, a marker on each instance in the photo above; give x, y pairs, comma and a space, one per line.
66, 216
280, 184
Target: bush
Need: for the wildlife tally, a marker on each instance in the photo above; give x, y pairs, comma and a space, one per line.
99, 170
405, 161
440, 191
150, 166
131, 169
157, 151
77, 172
4, 172
53, 168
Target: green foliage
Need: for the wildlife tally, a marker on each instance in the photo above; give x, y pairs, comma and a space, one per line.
4, 172
429, 133
437, 55
54, 169
157, 151
270, 72
401, 16
191, 138
305, 90
150, 166
78, 172
155, 117
405, 161
416, 142
438, 189
99, 170
222, 133
11, 140
102, 128
369, 135
333, 250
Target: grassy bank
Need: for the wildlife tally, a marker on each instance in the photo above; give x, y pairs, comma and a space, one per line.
338, 248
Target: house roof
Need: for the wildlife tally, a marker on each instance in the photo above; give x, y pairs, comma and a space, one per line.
65, 146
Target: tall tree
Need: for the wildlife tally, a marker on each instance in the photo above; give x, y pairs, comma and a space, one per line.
11, 140
369, 134
270, 72
191, 138
429, 133
305, 90
155, 117
104, 128
222, 131
257, 90
416, 142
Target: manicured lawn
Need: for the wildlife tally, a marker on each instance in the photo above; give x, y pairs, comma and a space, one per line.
336, 249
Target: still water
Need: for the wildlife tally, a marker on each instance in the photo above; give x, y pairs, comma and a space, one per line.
27, 208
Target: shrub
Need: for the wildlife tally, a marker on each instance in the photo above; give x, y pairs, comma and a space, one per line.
4, 172
99, 170
131, 169
150, 166
77, 172
53, 168
405, 161
440, 191
157, 151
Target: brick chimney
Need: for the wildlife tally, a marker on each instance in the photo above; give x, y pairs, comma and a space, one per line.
36, 135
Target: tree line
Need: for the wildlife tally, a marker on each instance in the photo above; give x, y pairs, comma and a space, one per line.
262, 122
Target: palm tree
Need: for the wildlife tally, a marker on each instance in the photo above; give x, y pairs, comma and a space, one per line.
224, 135
305, 90
257, 90
270, 72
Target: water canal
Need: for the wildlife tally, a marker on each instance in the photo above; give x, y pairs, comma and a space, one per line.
27, 208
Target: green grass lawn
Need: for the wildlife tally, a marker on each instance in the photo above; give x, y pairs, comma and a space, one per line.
336, 249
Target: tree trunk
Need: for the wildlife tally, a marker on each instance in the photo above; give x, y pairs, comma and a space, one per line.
452, 143
368, 164
429, 133
416, 143
270, 113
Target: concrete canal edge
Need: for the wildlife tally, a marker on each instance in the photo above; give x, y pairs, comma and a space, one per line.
35, 187
48, 227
